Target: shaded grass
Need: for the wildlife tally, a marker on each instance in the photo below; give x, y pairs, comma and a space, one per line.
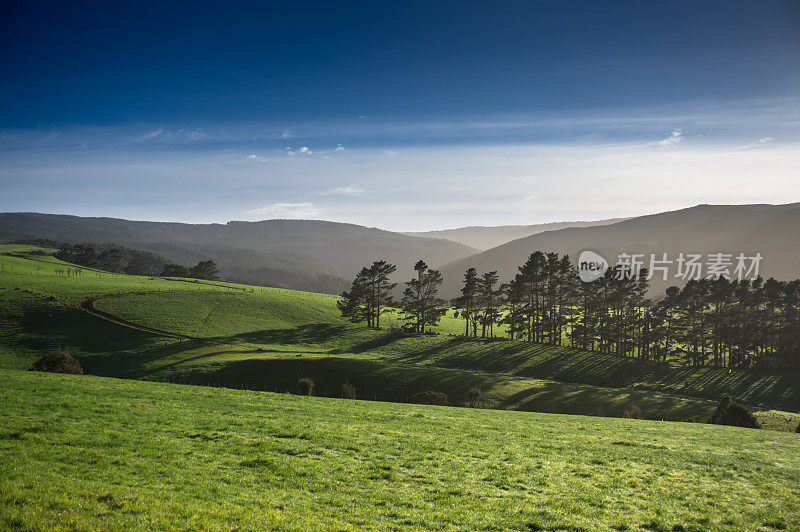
269, 321
89, 452
376, 379
32, 325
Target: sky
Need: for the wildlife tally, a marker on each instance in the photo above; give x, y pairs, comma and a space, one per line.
401, 115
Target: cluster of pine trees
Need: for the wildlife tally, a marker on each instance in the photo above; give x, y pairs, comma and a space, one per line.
371, 296
722, 323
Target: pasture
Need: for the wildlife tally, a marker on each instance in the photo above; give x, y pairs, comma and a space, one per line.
90, 452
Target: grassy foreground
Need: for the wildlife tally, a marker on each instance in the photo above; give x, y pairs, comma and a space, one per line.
91, 452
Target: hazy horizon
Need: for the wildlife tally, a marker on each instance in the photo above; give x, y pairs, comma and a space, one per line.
436, 229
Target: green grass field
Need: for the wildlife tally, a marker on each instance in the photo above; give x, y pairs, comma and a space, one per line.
97, 453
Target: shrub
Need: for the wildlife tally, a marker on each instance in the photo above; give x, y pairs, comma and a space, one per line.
397, 334
58, 361
430, 398
797, 430
348, 390
633, 412
729, 412
473, 395
306, 386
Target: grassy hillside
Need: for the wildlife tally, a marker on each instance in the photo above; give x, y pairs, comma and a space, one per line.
265, 339
269, 321
89, 452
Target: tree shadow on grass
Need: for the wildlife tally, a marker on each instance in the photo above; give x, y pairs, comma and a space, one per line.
378, 380
573, 398
764, 387
531, 360
372, 379
372, 344
757, 387
310, 333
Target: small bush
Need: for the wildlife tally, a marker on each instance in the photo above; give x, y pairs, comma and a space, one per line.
729, 412
348, 390
797, 430
430, 398
58, 361
633, 412
306, 386
473, 395
397, 334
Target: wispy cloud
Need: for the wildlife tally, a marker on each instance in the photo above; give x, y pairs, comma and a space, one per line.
283, 134
343, 191
149, 135
676, 137
192, 134
183, 134
738, 123
305, 210
755, 143
254, 157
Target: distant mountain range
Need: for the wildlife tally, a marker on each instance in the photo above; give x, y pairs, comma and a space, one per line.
772, 230
300, 254
483, 237
324, 256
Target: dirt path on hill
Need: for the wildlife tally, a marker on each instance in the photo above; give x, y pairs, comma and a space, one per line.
87, 305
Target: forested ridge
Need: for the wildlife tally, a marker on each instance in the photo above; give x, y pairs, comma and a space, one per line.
311, 255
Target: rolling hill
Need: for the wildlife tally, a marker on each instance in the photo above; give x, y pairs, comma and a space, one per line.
767, 229
266, 338
301, 254
483, 237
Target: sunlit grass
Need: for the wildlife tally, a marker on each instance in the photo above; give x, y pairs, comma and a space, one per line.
88, 453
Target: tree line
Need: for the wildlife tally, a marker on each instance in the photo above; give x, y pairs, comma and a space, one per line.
282, 269
110, 258
719, 322
119, 259
205, 269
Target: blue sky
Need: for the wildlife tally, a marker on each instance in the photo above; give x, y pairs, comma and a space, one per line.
399, 115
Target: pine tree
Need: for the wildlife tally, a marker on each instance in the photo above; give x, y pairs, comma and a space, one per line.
370, 294
468, 301
353, 304
420, 305
379, 289
488, 297
513, 305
